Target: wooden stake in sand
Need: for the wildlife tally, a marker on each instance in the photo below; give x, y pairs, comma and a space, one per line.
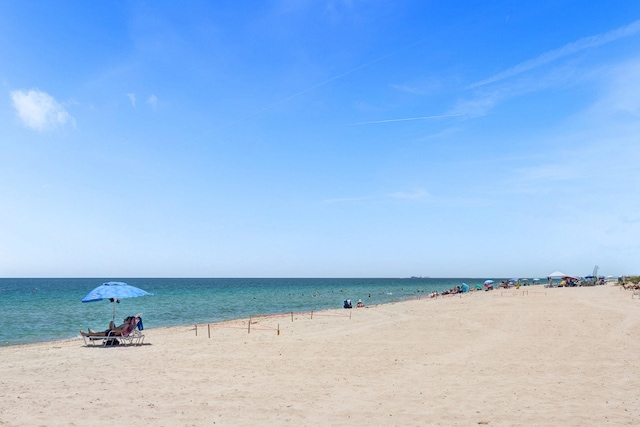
249, 328
196, 330
209, 329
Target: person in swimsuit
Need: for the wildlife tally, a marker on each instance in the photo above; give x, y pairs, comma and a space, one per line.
128, 325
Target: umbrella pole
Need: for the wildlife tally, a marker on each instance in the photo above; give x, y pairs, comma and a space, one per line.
114, 310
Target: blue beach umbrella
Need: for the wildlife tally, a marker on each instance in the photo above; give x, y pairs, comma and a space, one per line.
114, 291
488, 282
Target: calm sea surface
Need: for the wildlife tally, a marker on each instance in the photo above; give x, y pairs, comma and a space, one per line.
36, 310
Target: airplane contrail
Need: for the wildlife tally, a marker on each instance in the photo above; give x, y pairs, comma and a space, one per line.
407, 119
325, 82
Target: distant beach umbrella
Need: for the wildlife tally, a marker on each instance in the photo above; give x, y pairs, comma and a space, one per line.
114, 291
488, 282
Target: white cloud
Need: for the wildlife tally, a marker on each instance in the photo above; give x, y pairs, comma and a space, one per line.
39, 110
153, 101
132, 98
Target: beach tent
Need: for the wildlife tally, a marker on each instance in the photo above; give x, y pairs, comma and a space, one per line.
465, 287
557, 274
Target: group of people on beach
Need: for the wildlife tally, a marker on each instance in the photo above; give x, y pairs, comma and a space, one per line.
452, 291
509, 284
348, 304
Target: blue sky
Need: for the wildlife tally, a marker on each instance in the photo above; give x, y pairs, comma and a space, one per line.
319, 138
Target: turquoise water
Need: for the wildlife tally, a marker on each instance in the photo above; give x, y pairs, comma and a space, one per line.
36, 310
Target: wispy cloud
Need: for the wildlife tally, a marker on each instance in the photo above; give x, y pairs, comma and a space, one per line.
593, 154
476, 107
414, 195
39, 110
483, 99
566, 50
132, 98
548, 172
623, 95
153, 101
425, 87
349, 199
417, 194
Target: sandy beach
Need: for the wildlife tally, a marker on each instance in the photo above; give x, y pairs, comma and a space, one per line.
529, 357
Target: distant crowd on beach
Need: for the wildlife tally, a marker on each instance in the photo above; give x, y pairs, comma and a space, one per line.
576, 281
517, 283
489, 285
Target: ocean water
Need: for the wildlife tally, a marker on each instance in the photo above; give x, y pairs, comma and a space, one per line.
37, 310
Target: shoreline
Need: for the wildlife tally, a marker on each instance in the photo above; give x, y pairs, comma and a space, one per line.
560, 356
185, 301
419, 297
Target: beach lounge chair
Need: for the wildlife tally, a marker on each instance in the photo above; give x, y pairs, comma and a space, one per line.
134, 336
131, 335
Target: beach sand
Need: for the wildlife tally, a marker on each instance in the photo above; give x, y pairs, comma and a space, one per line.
528, 357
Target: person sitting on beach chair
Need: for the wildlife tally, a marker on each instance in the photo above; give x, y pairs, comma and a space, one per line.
126, 328
360, 304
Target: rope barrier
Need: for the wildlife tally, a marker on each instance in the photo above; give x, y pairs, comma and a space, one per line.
252, 323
